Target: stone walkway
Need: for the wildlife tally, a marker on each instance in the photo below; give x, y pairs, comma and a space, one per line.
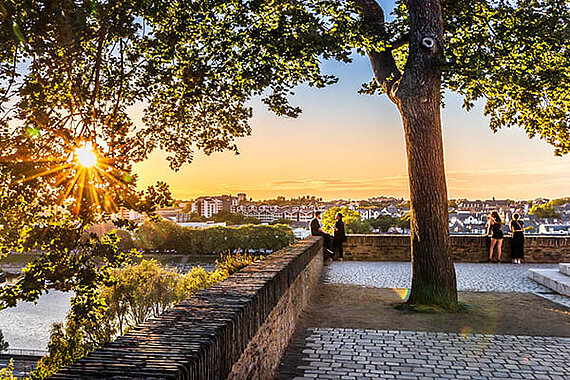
470, 277
322, 349
380, 354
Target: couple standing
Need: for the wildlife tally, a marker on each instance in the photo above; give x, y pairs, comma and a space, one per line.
339, 237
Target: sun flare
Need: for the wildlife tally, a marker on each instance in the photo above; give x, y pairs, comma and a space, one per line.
85, 156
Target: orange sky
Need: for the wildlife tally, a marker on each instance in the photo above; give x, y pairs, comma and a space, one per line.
351, 146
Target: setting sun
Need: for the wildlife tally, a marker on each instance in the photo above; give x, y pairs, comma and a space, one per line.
85, 156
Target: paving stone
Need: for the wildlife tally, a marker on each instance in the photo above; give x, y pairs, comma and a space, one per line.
388, 354
470, 276
505, 356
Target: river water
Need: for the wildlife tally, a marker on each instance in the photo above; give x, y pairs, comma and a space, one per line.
27, 326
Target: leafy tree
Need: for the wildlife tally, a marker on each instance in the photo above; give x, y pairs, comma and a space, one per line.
384, 222
234, 219
168, 236
251, 220
544, 211
69, 70
358, 227
560, 201
195, 217
134, 293
351, 219
282, 221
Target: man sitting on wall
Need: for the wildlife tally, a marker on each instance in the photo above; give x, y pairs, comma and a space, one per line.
316, 230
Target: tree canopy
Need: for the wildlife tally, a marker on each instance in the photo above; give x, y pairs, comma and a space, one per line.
75, 75
75, 72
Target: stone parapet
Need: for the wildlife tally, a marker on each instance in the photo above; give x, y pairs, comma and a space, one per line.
464, 248
238, 328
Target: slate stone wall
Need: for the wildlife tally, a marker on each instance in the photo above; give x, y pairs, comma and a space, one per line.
464, 248
236, 329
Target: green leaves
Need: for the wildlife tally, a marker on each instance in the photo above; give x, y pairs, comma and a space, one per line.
515, 57
167, 236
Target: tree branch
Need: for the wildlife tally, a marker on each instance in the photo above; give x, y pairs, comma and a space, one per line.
404, 39
383, 63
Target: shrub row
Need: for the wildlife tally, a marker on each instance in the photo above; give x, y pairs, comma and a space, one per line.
167, 236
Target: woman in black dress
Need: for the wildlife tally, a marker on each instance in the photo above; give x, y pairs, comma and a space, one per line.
339, 236
517, 243
496, 235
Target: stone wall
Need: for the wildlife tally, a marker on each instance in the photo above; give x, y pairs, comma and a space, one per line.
464, 248
236, 329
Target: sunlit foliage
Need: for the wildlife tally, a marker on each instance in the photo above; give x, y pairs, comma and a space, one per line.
131, 77
166, 236
351, 218
134, 293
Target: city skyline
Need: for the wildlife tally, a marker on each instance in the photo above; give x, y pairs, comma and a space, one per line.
346, 145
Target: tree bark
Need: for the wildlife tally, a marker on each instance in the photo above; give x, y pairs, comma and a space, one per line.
417, 93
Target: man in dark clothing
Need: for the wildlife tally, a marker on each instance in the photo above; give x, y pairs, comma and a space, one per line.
339, 236
316, 230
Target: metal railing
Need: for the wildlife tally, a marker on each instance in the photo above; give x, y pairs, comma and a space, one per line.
22, 352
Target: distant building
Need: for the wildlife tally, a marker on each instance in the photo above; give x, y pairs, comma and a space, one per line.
131, 215
210, 206
539, 201
554, 229
466, 204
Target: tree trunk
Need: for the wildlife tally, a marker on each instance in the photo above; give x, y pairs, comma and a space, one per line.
433, 274
418, 96
417, 93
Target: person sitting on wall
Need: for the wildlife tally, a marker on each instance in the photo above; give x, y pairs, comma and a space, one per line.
316, 230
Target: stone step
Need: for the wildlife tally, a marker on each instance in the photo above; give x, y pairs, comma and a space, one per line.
565, 268
553, 279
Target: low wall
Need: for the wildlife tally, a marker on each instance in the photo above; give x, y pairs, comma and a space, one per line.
237, 329
464, 248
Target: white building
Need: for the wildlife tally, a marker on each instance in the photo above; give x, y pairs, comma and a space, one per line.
554, 229
201, 224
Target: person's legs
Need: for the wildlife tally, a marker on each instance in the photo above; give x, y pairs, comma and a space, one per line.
328, 244
493, 242
340, 251
499, 244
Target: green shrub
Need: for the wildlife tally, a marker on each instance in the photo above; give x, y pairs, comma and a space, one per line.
168, 236
232, 263
134, 293
7, 372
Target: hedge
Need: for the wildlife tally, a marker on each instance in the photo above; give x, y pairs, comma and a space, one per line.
167, 236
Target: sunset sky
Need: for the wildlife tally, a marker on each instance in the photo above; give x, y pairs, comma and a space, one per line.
352, 146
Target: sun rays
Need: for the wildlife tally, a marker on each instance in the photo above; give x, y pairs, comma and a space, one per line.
86, 156
87, 180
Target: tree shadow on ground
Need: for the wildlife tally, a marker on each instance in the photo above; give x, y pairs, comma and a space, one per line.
349, 306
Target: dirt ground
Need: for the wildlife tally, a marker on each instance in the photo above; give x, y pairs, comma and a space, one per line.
350, 306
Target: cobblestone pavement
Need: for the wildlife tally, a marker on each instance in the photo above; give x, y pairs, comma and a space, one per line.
470, 277
335, 353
